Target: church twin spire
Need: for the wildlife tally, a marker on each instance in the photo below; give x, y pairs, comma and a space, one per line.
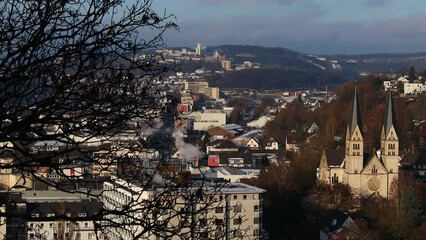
355, 142
355, 115
389, 120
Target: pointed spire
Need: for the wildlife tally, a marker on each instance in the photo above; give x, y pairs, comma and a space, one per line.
355, 116
389, 120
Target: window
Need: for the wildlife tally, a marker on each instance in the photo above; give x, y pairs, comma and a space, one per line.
237, 208
89, 235
86, 224
52, 225
219, 210
256, 232
235, 197
237, 233
256, 221
244, 197
218, 222
82, 215
335, 179
256, 208
238, 221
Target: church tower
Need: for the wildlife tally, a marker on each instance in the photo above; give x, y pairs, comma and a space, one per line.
389, 142
354, 153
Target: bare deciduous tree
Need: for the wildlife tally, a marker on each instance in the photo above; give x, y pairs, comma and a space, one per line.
82, 109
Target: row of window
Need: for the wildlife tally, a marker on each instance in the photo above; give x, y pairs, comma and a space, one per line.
237, 208
36, 215
53, 225
391, 146
419, 166
236, 198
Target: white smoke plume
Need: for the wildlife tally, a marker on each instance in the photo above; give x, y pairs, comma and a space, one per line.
186, 151
149, 130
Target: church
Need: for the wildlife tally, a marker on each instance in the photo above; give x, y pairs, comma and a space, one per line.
367, 173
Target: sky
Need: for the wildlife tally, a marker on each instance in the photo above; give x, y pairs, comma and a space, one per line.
308, 26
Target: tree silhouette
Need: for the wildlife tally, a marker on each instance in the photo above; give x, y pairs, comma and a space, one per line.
79, 104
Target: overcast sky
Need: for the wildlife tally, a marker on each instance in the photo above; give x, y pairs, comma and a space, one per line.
309, 26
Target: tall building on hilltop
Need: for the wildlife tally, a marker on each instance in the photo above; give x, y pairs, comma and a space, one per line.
199, 49
367, 173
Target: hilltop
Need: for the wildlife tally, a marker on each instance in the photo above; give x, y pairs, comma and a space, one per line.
283, 68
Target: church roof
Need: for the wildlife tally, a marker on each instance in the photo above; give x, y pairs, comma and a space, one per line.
355, 115
335, 156
371, 158
389, 120
367, 157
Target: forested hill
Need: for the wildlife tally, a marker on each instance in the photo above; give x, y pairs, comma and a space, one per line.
278, 78
345, 64
268, 57
281, 68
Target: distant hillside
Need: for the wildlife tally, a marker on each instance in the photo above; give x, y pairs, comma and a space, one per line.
347, 65
287, 69
270, 57
278, 78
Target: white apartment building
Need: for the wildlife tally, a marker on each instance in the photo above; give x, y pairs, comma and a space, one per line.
227, 210
40, 227
208, 118
60, 215
202, 87
414, 88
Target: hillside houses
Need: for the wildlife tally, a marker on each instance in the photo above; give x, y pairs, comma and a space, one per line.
409, 87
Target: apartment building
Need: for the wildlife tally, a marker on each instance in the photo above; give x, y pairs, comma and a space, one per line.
202, 87
204, 211
50, 215
414, 88
208, 118
39, 226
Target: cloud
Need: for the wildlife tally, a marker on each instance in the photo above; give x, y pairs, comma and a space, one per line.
308, 32
376, 2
